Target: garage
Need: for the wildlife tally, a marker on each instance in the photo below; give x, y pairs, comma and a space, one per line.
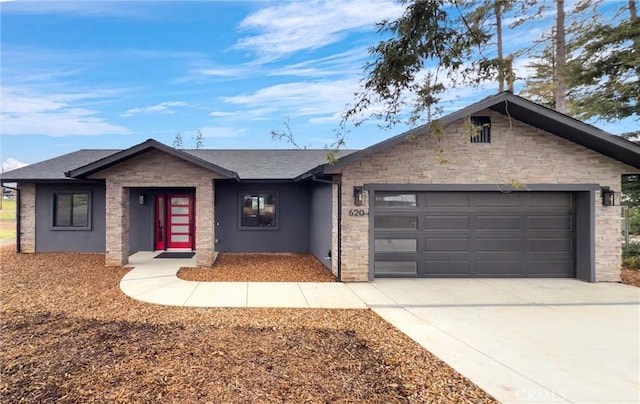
473, 234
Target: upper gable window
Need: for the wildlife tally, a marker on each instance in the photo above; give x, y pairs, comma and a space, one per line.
482, 126
72, 210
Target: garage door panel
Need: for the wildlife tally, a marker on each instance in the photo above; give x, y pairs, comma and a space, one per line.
564, 222
490, 200
396, 222
549, 245
499, 268
396, 268
396, 200
447, 268
521, 234
445, 199
550, 199
447, 222
395, 245
498, 244
499, 222
448, 244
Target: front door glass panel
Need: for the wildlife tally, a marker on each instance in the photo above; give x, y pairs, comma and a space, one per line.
181, 221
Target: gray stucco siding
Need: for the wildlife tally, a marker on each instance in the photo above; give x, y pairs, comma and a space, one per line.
51, 239
141, 218
320, 222
291, 233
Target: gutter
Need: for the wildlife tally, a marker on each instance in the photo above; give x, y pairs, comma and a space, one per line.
17, 216
315, 178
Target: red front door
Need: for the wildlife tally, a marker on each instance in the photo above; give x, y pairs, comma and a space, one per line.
174, 221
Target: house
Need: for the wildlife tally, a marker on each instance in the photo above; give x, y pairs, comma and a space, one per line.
523, 192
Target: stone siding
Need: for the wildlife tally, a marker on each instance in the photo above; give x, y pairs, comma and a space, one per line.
27, 217
156, 169
518, 153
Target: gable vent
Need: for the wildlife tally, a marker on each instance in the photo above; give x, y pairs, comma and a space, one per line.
483, 129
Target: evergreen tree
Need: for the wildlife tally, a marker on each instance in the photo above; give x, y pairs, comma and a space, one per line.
606, 70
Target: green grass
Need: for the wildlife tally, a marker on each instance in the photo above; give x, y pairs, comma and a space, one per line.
7, 235
8, 211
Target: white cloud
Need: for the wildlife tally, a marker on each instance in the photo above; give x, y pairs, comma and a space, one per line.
294, 26
222, 114
346, 63
162, 108
234, 71
320, 99
11, 164
57, 114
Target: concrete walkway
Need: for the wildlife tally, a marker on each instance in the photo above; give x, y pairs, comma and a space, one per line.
155, 281
521, 340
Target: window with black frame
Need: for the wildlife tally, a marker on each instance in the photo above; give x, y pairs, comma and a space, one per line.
71, 210
258, 210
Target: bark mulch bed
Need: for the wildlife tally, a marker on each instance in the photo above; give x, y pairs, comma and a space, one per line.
630, 277
233, 267
68, 334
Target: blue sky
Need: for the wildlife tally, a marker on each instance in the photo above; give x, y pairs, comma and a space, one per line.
113, 74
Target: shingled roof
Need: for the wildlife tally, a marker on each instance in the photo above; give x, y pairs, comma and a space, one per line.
248, 164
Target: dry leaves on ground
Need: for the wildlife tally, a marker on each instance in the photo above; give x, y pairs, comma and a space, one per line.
233, 267
630, 277
69, 335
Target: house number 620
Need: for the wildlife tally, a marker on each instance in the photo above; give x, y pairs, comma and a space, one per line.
357, 212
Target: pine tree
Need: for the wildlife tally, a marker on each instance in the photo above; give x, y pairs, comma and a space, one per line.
606, 71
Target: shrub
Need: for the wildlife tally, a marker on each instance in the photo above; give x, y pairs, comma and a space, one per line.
631, 262
631, 250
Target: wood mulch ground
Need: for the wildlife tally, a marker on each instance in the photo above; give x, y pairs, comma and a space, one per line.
630, 277
67, 334
232, 267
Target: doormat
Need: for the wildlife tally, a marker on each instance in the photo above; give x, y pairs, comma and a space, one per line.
176, 254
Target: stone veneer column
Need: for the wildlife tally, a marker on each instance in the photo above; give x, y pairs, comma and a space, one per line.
27, 218
204, 224
117, 237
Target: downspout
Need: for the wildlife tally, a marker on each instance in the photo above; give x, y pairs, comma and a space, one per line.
17, 215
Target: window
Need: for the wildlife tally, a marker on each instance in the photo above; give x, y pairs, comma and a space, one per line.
482, 126
395, 200
395, 245
258, 210
396, 222
71, 210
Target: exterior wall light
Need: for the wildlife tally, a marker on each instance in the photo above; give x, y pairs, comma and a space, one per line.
142, 199
609, 196
358, 196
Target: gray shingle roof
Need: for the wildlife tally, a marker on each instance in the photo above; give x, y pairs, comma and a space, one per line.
249, 164
267, 164
54, 169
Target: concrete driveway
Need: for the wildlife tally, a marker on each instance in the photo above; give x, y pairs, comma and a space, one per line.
520, 340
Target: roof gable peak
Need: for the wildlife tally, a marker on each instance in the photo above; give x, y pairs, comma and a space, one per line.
147, 145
